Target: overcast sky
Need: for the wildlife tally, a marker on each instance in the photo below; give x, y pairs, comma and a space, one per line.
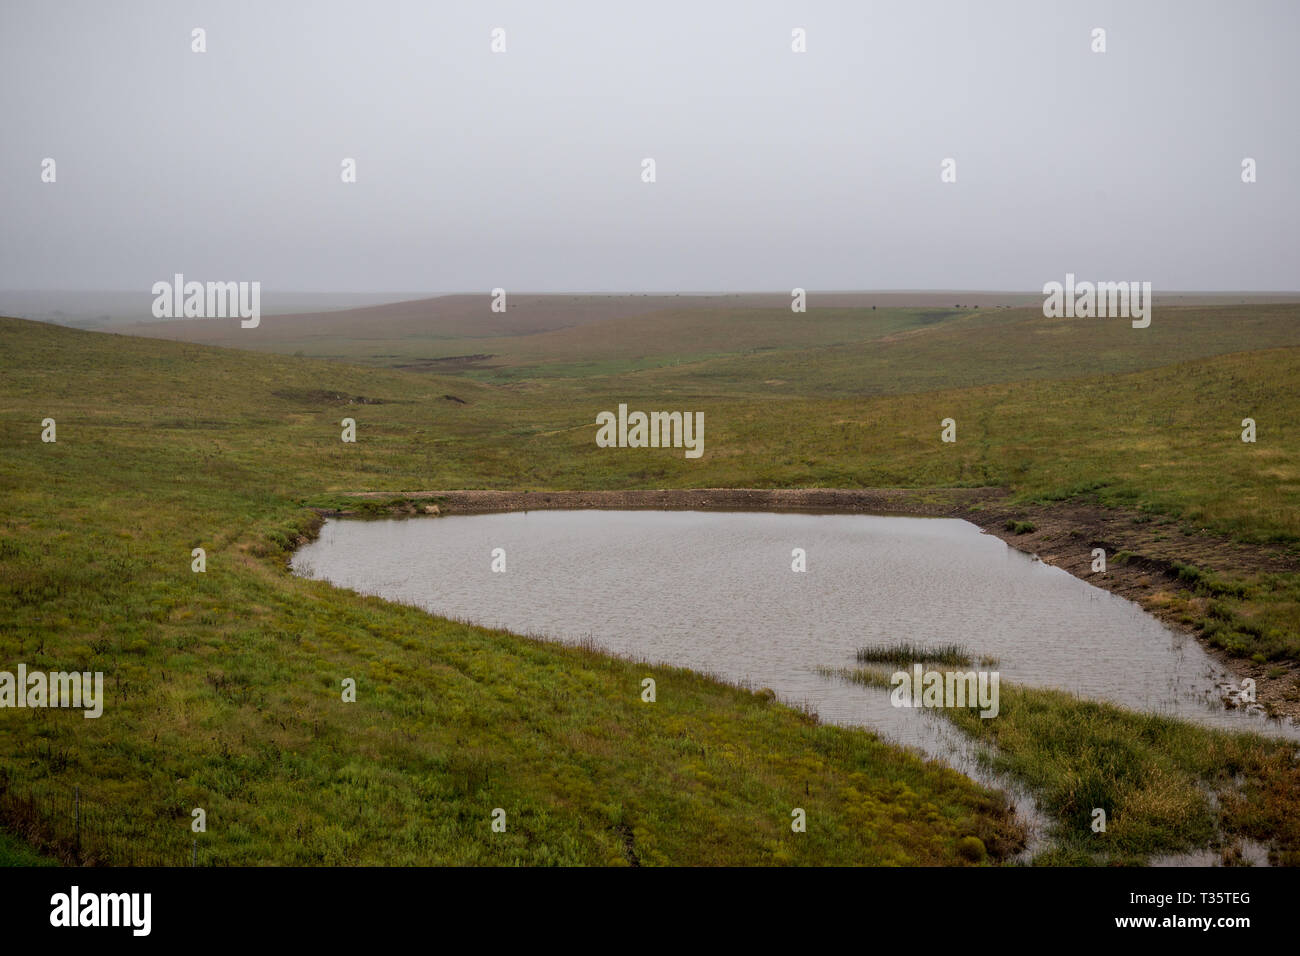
774, 169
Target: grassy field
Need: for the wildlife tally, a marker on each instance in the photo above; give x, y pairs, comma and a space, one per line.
753, 347
1166, 787
224, 686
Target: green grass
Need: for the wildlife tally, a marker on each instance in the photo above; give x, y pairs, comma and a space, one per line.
765, 352
906, 652
16, 852
1205, 582
224, 686
1165, 786
1152, 776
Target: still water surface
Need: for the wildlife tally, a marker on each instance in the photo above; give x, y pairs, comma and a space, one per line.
714, 591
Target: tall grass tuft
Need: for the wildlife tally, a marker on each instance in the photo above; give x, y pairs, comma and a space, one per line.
905, 652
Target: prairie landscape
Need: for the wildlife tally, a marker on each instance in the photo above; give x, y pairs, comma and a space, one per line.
745, 435
222, 686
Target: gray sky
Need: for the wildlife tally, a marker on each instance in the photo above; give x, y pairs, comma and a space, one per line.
523, 169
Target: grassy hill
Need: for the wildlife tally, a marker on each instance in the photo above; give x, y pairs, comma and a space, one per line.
224, 686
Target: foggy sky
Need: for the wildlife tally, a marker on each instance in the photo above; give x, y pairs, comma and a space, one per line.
775, 169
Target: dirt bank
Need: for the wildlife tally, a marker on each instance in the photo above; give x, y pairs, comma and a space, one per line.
941, 501
1063, 534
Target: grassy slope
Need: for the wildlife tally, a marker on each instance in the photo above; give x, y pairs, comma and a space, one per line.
228, 680
1044, 406
224, 687
765, 351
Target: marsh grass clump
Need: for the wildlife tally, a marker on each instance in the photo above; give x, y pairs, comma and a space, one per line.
1020, 527
971, 848
906, 652
1166, 786
1250, 639
1205, 582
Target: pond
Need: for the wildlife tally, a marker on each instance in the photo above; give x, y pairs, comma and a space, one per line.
715, 592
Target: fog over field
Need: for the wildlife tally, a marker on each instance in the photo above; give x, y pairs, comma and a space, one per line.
522, 169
